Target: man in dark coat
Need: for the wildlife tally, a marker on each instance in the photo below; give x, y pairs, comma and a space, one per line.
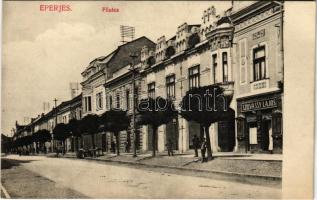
196, 144
169, 146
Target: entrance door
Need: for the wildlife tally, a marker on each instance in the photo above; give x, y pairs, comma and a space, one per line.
265, 139
172, 134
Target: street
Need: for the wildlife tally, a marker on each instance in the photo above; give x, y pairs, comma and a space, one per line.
82, 178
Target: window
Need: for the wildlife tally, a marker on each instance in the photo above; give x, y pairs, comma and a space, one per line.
127, 98
193, 77
110, 102
118, 100
99, 101
214, 67
151, 90
170, 86
259, 71
224, 67
87, 103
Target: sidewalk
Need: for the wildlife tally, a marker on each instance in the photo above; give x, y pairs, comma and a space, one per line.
263, 166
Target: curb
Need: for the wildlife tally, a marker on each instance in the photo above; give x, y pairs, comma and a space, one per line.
273, 178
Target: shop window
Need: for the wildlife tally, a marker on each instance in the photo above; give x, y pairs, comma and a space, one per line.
193, 77
259, 68
277, 124
253, 135
225, 67
241, 128
170, 86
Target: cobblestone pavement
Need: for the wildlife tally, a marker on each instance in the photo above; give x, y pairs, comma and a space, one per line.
103, 180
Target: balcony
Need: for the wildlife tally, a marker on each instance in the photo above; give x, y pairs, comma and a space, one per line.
228, 87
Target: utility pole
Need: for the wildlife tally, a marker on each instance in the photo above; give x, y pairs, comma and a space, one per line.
133, 56
55, 103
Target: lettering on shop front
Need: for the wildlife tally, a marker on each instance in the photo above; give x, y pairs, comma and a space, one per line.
259, 105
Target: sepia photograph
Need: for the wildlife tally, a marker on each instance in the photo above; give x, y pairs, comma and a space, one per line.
157, 99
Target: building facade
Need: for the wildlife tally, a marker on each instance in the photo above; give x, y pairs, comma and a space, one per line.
258, 39
107, 84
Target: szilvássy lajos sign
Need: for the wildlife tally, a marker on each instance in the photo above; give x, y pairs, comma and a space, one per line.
259, 105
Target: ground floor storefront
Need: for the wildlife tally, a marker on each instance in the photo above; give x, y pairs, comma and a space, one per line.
181, 133
259, 124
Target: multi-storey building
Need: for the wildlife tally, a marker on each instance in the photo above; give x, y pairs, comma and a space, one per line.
258, 64
202, 56
107, 84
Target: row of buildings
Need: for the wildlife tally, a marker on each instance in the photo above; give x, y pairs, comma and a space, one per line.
240, 49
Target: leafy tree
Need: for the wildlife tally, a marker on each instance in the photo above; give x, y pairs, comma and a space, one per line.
155, 112
74, 128
90, 125
206, 105
44, 136
115, 121
61, 133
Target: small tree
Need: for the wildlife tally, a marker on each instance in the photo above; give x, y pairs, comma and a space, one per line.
155, 112
206, 105
61, 133
90, 125
74, 128
115, 121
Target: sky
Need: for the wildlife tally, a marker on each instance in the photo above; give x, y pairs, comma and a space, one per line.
44, 51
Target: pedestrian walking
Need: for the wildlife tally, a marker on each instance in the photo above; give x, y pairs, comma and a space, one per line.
196, 143
113, 147
203, 150
169, 146
126, 147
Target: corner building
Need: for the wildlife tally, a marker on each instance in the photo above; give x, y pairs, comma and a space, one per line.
198, 55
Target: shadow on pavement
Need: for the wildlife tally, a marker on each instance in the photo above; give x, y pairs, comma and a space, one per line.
9, 163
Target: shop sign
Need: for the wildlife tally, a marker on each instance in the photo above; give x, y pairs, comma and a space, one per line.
259, 105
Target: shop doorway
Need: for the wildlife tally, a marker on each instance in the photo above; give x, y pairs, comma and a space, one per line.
226, 135
265, 135
194, 129
150, 137
172, 133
